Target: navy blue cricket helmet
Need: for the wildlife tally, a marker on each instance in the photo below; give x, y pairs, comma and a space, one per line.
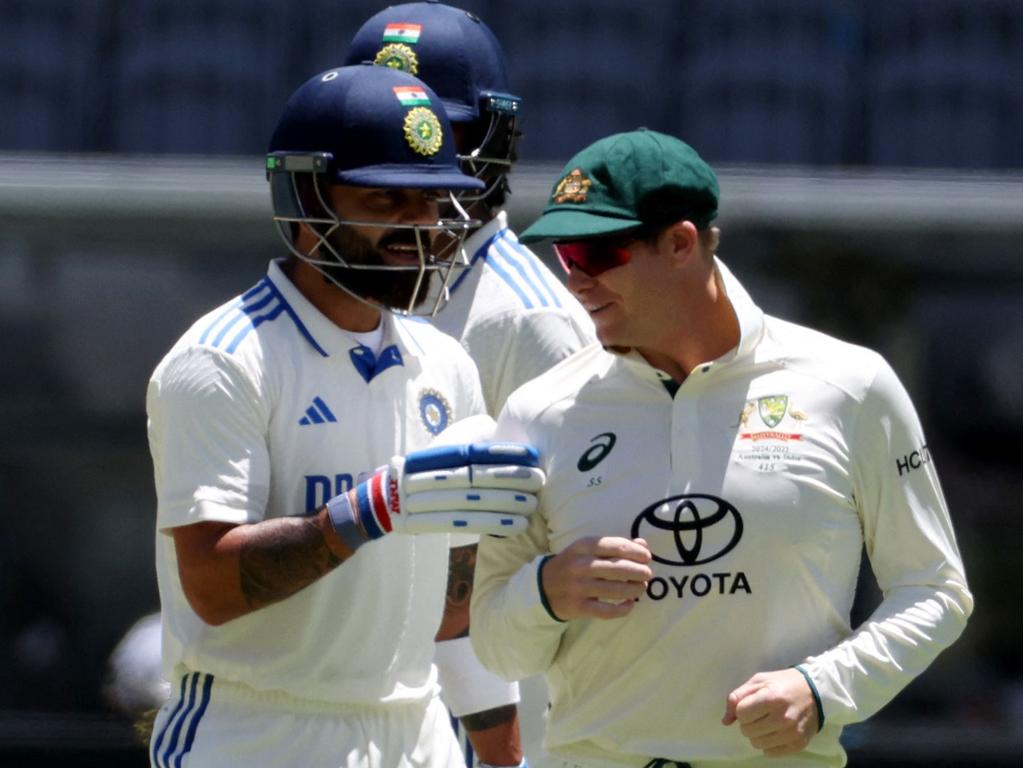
458, 56
372, 127
365, 126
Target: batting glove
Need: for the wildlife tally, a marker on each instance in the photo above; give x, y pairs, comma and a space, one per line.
479, 488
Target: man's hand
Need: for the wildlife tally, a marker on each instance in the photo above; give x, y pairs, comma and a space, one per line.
776, 711
468, 488
471, 488
596, 577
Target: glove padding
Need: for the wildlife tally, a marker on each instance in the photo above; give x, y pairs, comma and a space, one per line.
481, 488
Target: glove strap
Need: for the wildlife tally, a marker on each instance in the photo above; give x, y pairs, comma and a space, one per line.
343, 518
371, 501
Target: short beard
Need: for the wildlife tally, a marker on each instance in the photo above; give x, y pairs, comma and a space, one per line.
393, 289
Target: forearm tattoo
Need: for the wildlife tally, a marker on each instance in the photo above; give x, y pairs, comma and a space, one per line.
282, 557
461, 567
489, 718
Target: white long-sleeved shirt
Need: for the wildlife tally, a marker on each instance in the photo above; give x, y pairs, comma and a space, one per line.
513, 315
756, 485
263, 409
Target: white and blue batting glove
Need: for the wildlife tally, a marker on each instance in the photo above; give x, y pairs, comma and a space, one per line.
479, 488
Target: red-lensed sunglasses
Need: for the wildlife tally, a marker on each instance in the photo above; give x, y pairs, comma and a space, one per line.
592, 256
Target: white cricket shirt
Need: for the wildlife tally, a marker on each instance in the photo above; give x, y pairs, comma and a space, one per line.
512, 314
756, 486
265, 408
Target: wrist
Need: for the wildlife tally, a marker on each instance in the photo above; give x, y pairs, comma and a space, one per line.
362, 514
344, 519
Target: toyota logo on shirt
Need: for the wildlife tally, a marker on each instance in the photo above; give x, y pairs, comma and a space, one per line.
702, 529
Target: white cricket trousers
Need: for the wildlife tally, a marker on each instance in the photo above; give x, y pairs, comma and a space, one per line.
213, 723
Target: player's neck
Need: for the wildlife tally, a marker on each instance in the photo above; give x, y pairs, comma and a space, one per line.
341, 308
703, 328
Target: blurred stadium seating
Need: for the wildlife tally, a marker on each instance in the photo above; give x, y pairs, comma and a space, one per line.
812, 82
944, 83
50, 73
198, 76
769, 82
587, 68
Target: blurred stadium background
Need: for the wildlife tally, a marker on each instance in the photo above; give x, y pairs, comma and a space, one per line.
871, 163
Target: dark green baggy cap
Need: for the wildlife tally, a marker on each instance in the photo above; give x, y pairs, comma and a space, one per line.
624, 181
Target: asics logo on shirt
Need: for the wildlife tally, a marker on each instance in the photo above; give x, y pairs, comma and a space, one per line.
690, 529
603, 443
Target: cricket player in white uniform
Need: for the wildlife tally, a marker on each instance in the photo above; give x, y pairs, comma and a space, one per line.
512, 314
713, 474
299, 610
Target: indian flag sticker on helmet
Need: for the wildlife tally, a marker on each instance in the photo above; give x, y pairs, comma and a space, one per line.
411, 95
423, 132
398, 56
402, 33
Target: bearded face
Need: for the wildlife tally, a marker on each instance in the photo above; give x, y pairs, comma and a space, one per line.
395, 289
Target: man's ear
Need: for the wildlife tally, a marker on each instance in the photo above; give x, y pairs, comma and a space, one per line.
684, 241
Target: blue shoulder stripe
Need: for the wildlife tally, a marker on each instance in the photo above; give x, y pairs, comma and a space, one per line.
232, 308
243, 316
502, 272
261, 304
536, 267
254, 321
481, 253
518, 259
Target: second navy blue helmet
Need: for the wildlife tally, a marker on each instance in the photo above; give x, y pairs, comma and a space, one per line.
459, 57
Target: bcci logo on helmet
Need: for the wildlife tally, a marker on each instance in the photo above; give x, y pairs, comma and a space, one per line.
423, 132
398, 56
691, 529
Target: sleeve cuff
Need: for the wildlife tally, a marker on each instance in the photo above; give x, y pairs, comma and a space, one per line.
542, 592
816, 696
525, 600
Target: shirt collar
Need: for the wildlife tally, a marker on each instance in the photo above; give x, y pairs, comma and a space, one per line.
326, 337
749, 315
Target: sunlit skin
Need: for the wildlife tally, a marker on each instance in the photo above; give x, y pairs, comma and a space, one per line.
666, 302
384, 205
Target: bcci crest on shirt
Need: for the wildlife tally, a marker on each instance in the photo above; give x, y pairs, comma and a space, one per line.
434, 411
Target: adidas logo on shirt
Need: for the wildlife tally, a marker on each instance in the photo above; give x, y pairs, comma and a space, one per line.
317, 413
